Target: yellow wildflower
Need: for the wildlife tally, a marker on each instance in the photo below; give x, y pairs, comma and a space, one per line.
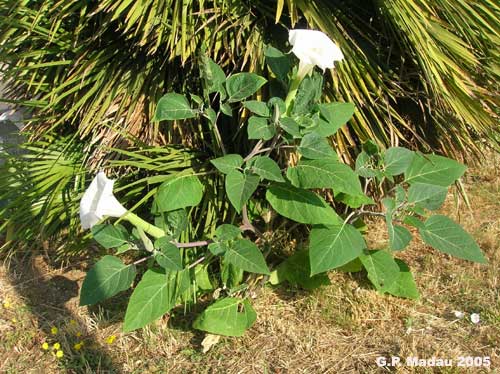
54, 330
59, 354
78, 334
56, 346
111, 339
14, 320
78, 346
7, 304
72, 322
45, 346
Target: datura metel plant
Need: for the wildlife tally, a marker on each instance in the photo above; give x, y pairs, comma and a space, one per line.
291, 174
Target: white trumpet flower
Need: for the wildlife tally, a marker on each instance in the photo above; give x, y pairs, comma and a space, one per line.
98, 201
313, 48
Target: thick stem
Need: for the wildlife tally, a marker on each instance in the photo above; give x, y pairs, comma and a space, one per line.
137, 221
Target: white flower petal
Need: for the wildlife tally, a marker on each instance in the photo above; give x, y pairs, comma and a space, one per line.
98, 201
313, 47
459, 314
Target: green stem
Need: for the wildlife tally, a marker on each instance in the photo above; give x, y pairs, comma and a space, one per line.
145, 226
294, 86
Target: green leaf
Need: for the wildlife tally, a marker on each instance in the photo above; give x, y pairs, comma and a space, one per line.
308, 93
404, 286
213, 75
427, 196
334, 246
202, 278
210, 114
218, 249
239, 188
315, 147
301, 205
354, 201
371, 148
336, 115
290, 126
231, 275
227, 232
363, 166
107, 277
278, 106
443, 234
179, 192
397, 160
227, 163
399, 237
433, 169
258, 128
266, 168
325, 173
173, 222
240, 86
174, 106
247, 256
168, 256
156, 294
382, 270
353, 266
278, 62
413, 221
110, 236
226, 109
257, 107
296, 271
229, 317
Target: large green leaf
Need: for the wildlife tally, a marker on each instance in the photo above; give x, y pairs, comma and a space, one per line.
267, 168
156, 293
229, 316
334, 246
296, 270
433, 169
213, 75
314, 146
325, 173
427, 196
179, 192
168, 255
107, 277
382, 270
174, 106
308, 93
245, 255
258, 128
443, 234
399, 236
301, 205
258, 107
404, 285
239, 188
110, 236
290, 126
279, 62
227, 163
336, 116
241, 85
397, 160
227, 232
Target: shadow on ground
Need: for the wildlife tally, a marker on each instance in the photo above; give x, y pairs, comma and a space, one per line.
51, 297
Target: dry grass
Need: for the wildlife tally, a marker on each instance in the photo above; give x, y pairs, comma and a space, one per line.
337, 329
